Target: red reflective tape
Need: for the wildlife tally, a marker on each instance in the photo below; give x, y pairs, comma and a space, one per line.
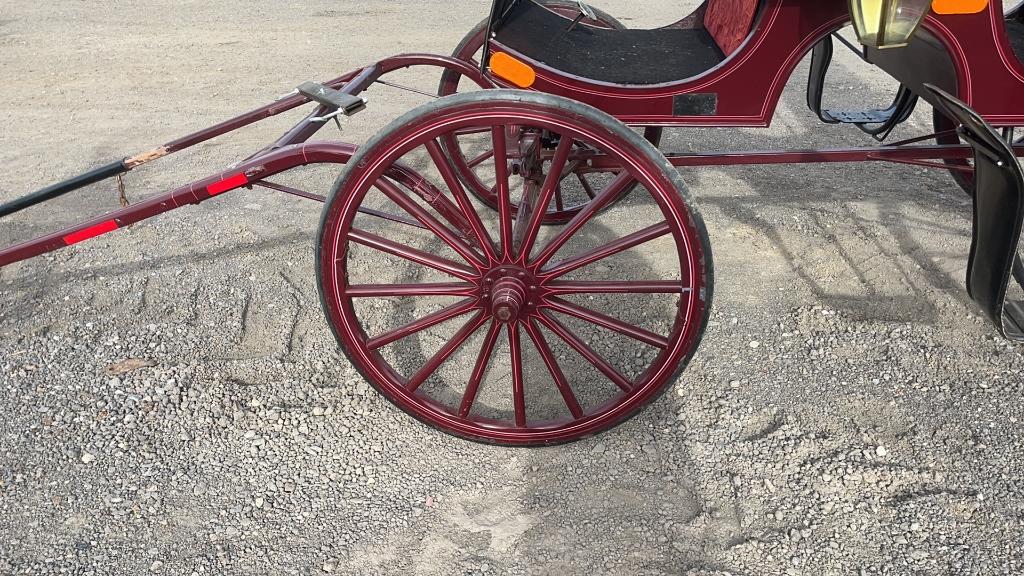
90, 232
227, 184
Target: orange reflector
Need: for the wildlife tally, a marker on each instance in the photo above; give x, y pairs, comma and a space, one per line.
959, 6
516, 72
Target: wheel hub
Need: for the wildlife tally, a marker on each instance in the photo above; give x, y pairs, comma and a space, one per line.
508, 300
509, 293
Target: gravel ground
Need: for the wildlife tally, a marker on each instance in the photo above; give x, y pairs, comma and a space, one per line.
848, 413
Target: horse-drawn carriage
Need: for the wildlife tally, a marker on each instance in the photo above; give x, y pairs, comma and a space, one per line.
514, 263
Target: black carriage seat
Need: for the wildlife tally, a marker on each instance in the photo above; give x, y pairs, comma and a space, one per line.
634, 57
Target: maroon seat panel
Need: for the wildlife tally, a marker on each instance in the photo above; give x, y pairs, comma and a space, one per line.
729, 22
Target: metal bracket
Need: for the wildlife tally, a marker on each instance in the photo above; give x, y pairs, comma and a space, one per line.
337, 100
585, 12
332, 116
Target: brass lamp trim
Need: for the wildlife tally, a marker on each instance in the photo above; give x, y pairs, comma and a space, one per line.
887, 23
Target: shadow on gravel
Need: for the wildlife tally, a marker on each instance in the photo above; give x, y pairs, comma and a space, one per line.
863, 263
859, 222
37, 278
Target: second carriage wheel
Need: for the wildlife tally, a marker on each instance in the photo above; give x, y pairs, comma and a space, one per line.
467, 153
486, 324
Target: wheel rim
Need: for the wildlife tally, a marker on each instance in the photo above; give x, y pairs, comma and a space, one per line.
576, 192
511, 289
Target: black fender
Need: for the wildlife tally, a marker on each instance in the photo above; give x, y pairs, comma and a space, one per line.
998, 216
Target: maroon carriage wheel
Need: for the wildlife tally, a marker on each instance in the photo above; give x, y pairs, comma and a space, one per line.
522, 357
578, 188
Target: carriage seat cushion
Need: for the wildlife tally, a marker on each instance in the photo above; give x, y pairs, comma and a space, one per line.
629, 57
729, 22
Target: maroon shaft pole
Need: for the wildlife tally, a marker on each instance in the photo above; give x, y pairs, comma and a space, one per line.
242, 175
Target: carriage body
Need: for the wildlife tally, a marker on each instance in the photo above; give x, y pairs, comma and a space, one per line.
728, 62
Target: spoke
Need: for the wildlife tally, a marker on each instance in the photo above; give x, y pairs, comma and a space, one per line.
453, 311
608, 195
420, 186
479, 370
527, 205
556, 371
502, 187
587, 352
570, 168
618, 287
386, 290
480, 159
604, 251
518, 393
447, 350
587, 188
392, 218
417, 212
604, 321
559, 201
534, 208
452, 181
412, 254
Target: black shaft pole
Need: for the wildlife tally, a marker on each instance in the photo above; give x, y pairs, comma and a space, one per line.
62, 188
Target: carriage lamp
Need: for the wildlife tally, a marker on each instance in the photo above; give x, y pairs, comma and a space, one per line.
887, 23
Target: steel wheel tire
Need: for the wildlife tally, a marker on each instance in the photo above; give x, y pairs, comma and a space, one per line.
514, 293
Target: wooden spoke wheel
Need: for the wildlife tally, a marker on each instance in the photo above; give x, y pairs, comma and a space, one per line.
486, 324
468, 153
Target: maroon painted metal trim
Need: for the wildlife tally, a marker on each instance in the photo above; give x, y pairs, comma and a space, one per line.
290, 191
360, 80
904, 154
285, 158
288, 152
749, 83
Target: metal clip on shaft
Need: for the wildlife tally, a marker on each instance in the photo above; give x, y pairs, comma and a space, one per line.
340, 102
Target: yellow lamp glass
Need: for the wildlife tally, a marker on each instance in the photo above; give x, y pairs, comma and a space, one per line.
887, 23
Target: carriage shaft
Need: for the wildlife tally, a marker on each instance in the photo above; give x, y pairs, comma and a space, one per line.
352, 83
61, 188
242, 175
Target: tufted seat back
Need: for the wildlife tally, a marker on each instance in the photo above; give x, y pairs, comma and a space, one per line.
729, 22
